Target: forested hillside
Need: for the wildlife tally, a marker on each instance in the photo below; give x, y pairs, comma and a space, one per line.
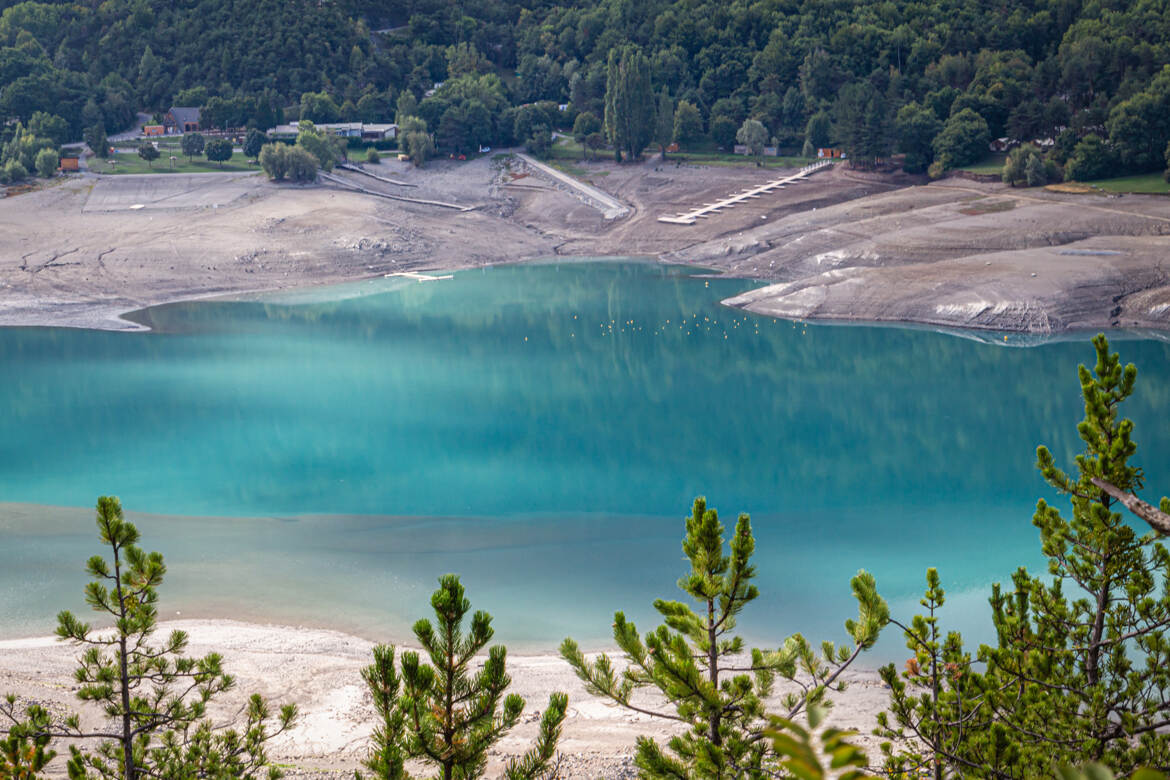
931, 79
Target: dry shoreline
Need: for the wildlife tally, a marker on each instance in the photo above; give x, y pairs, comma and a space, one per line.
319, 671
840, 246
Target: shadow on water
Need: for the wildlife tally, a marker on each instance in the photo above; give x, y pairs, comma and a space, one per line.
542, 430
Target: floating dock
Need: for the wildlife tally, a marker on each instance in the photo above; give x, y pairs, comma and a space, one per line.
707, 209
420, 277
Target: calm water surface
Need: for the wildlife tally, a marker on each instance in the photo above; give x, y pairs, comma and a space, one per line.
541, 430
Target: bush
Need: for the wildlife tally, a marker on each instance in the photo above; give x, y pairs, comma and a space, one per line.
372, 156
47, 161
14, 172
1026, 165
327, 149
302, 166
280, 161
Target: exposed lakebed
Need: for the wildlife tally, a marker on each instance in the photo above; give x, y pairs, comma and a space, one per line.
542, 430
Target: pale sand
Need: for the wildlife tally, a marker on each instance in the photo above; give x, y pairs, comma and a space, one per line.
319, 671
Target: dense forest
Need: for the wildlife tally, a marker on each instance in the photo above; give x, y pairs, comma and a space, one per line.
934, 80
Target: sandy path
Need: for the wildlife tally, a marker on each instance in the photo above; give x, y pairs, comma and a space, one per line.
319, 671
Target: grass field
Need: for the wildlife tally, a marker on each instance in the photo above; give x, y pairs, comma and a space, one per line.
1148, 183
991, 164
568, 166
567, 149
132, 163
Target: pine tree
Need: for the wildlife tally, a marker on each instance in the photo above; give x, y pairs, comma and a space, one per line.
445, 714
1080, 671
24, 751
698, 663
155, 695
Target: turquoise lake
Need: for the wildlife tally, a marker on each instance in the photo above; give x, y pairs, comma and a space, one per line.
321, 458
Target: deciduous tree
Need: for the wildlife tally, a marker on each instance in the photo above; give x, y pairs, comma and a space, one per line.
688, 123
415, 140
585, 125
664, 122
915, 128
46, 162
629, 102
964, 140
754, 136
253, 143
147, 151
219, 150
192, 145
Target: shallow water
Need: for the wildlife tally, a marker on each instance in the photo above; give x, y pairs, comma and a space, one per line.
542, 430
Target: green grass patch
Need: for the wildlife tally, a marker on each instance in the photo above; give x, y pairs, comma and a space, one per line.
988, 207
716, 157
1147, 183
991, 164
566, 148
568, 167
132, 163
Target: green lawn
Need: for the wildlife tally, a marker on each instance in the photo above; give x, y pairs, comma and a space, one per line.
132, 163
568, 149
991, 164
723, 158
1148, 183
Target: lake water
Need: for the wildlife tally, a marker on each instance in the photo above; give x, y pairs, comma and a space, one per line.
542, 429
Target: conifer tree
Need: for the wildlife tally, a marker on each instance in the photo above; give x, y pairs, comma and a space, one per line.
24, 751
443, 712
1080, 671
155, 695
701, 667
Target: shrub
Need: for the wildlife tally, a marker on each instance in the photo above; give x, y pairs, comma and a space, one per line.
47, 161
280, 161
372, 156
1092, 159
14, 172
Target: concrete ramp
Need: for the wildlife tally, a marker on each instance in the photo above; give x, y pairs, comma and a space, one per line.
609, 206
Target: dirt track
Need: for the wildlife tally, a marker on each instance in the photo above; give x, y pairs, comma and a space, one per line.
841, 245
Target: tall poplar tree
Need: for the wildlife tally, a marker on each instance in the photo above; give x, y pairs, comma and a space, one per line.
717, 688
629, 102
664, 122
